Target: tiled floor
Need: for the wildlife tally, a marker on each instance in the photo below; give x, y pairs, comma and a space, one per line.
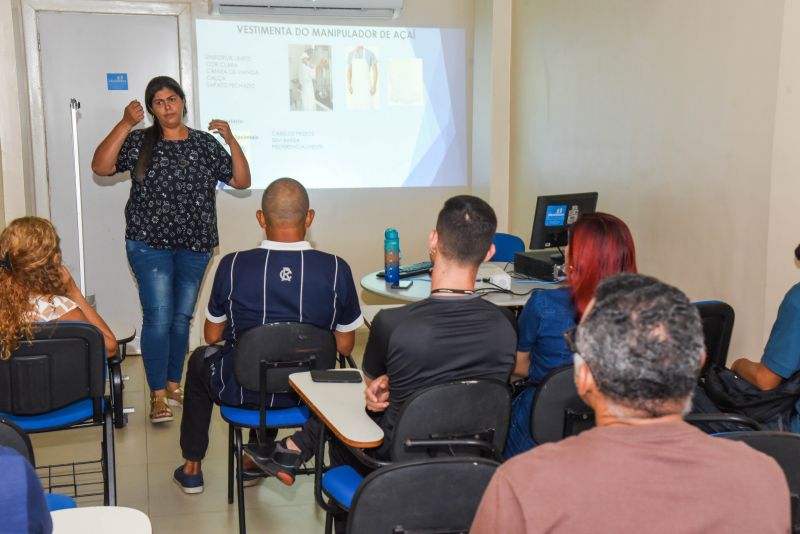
146, 456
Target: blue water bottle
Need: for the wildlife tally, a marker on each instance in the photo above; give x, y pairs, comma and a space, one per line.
391, 256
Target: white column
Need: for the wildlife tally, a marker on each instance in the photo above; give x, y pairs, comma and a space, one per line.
14, 197
500, 102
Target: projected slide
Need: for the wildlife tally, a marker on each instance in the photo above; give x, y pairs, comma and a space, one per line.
339, 106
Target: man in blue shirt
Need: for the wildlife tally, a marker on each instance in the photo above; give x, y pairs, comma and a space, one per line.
284, 280
781, 357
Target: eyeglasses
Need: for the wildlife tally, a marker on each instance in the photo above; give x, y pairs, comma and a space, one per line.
569, 337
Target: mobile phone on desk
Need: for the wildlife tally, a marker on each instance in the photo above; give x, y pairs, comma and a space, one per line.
402, 284
347, 377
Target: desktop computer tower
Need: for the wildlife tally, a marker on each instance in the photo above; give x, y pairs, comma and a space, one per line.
541, 264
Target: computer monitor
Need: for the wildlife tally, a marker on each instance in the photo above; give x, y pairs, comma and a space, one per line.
555, 214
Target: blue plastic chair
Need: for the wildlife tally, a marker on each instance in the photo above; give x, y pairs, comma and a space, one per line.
264, 358
505, 246
13, 437
56, 381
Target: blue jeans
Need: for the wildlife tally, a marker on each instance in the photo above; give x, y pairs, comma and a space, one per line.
519, 437
168, 280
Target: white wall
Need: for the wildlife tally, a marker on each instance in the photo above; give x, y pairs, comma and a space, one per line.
784, 215
667, 109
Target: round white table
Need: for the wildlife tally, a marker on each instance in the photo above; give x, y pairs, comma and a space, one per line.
421, 289
100, 520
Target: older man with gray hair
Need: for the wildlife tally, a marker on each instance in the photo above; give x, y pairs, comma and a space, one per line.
642, 469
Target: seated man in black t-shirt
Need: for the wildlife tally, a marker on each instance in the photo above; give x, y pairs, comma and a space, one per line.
452, 335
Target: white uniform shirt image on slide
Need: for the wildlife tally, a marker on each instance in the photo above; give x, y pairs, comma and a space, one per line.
307, 75
362, 78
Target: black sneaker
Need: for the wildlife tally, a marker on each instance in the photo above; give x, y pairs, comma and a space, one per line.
282, 464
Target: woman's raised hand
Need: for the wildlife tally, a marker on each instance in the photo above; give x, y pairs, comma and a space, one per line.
134, 113
221, 128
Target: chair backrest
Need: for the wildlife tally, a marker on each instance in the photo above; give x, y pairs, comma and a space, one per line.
440, 495
63, 364
784, 447
287, 348
718, 318
457, 411
14, 437
558, 411
505, 245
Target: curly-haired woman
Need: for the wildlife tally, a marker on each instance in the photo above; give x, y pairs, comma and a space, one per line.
35, 287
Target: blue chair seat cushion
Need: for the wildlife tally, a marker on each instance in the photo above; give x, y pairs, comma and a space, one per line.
282, 417
59, 502
341, 483
76, 412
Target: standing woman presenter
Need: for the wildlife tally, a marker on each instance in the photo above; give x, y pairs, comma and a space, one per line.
170, 222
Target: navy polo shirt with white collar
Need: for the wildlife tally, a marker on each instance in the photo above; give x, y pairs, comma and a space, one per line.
277, 282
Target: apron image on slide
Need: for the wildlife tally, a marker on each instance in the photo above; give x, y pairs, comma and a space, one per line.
361, 83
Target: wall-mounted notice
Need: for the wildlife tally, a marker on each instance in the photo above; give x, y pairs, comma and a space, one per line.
117, 81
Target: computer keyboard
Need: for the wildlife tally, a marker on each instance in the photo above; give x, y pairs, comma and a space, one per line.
414, 269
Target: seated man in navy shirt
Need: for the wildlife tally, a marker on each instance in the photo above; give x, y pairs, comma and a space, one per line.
452, 335
781, 357
284, 280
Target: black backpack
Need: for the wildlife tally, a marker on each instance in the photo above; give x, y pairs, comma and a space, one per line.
732, 393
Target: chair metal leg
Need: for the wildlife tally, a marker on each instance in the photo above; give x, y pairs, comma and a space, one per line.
240, 482
230, 464
328, 523
116, 388
109, 459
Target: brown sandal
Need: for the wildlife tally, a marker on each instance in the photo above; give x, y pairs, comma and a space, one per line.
175, 396
160, 412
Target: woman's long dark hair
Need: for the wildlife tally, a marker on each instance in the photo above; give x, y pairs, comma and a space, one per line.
154, 133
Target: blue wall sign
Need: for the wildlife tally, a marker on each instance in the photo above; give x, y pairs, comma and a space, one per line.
117, 81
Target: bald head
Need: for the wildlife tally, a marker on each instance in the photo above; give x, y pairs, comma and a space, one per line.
285, 204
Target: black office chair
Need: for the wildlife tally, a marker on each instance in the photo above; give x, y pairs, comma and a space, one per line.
56, 381
718, 318
557, 411
13, 437
464, 419
264, 358
784, 447
440, 495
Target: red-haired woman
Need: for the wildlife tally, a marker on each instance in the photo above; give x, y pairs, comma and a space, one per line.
599, 245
